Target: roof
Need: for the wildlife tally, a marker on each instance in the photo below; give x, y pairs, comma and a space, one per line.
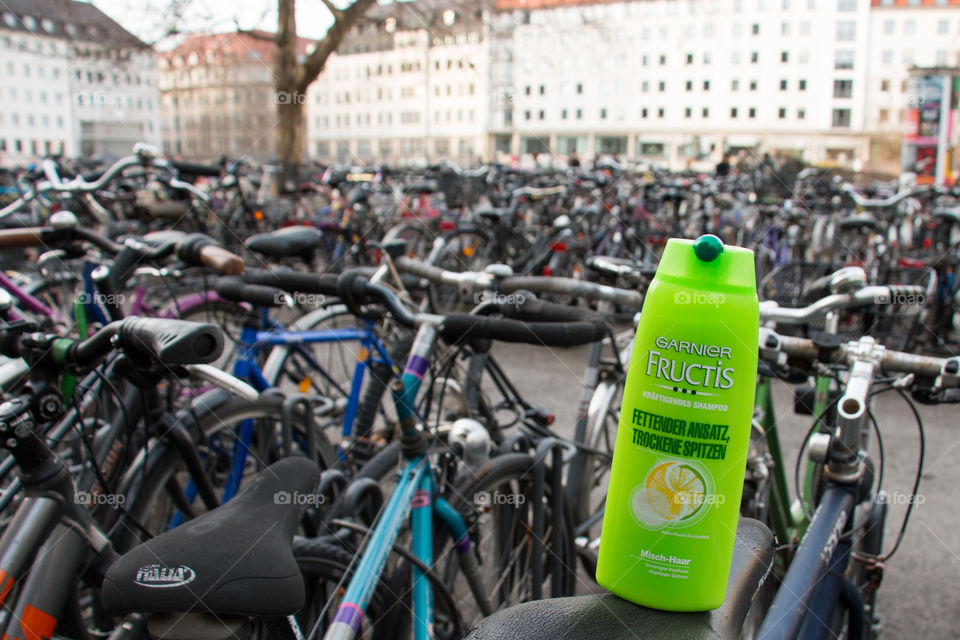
66, 19
230, 48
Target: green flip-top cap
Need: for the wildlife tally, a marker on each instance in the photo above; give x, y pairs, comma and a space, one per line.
708, 247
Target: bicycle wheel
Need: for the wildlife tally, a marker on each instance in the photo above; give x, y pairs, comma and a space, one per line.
497, 503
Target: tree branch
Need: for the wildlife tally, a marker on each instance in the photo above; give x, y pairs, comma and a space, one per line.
337, 13
256, 35
313, 65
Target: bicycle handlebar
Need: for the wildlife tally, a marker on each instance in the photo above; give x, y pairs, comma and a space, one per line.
771, 311
874, 203
480, 280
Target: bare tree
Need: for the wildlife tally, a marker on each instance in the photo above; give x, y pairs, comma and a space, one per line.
293, 76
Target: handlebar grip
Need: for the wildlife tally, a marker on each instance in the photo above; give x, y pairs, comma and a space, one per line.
288, 280
570, 286
236, 289
220, 260
193, 169
26, 237
200, 250
529, 308
460, 326
172, 341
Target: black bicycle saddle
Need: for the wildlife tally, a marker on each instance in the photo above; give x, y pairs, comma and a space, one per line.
237, 559
289, 242
607, 617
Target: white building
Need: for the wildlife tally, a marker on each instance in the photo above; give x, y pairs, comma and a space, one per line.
74, 82
410, 88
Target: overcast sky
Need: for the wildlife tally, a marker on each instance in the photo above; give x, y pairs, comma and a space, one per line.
148, 19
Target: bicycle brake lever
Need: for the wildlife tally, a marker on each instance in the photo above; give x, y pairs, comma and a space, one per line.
223, 380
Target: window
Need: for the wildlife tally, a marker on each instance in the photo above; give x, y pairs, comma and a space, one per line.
805, 28
660, 113
603, 114
689, 85
706, 58
579, 87
782, 113
784, 56
842, 88
526, 115
846, 5
783, 85
753, 85
801, 114
755, 29
735, 85
662, 86
706, 85
705, 112
943, 26
841, 118
543, 90
526, 90
846, 31
689, 58
887, 56
883, 116
663, 60
563, 114
645, 60
687, 112
733, 112
643, 112
645, 86
802, 85
785, 28
843, 59
888, 27
910, 27
752, 113
579, 114
754, 57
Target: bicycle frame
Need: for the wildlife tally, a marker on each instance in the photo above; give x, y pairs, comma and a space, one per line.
412, 496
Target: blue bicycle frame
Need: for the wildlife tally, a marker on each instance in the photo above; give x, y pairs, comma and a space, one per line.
252, 340
413, 496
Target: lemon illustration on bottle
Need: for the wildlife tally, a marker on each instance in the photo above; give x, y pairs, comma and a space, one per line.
673, 493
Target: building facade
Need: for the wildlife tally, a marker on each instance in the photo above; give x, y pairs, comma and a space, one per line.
74, 82
218, 96
410, 87
675, 82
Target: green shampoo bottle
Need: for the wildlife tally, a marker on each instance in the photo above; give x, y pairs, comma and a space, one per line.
680, 453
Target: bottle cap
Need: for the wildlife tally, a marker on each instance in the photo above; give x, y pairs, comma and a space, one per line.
708, 247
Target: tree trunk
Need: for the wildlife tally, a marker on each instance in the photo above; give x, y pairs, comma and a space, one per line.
289, 97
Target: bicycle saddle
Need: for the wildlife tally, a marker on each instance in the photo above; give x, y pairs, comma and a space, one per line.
607, 617
493, 214
237, 559
289, 242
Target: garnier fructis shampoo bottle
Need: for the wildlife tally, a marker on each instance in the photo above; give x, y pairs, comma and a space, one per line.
680, 453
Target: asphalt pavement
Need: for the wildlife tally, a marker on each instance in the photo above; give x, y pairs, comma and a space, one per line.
920, 595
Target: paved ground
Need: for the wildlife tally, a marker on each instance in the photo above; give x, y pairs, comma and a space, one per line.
919, 597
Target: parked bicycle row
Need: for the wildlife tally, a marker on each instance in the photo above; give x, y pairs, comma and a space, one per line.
380, 475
